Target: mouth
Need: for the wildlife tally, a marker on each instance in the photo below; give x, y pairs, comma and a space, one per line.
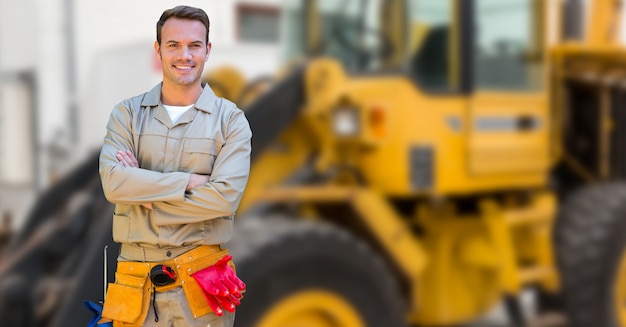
183, 68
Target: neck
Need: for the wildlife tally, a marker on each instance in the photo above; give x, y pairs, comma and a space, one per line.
180, 95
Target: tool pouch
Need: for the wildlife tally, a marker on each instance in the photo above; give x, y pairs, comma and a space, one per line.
128, 300
193, 292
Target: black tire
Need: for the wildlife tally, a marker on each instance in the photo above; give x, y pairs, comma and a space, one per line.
590, 238
279, 257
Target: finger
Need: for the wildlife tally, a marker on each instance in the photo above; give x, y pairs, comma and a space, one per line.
237, 294
232, 287
226, 303
213, 304
121, 155
120, 158
234, 299
240, 284
129, 157
132, 158
217, 289
124, 154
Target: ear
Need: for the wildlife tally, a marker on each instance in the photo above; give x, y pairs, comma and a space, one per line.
157, 48
208, 51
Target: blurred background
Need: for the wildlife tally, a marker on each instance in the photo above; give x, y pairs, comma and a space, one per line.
65, 63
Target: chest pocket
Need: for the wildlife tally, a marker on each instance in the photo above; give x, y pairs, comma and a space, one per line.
199, 156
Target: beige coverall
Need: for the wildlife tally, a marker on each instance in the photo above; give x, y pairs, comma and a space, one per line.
212, 138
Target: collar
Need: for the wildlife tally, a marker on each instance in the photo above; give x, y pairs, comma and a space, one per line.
206, 101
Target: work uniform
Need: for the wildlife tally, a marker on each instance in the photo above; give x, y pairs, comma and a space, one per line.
212, 138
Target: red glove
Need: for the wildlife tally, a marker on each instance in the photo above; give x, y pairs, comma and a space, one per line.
221, 286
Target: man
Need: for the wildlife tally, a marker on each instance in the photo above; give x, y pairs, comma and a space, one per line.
175, 162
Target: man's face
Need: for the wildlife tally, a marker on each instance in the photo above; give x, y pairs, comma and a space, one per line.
183, 51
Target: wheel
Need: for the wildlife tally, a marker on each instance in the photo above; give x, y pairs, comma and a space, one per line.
590, 240
305, 273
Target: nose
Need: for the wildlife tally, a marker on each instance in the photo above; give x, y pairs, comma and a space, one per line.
186, 53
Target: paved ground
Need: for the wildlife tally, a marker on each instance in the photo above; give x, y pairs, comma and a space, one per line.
547, 320
499, 318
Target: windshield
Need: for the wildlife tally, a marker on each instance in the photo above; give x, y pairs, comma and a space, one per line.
507, 45
349, 30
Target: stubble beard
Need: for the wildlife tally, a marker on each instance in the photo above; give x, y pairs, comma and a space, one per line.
184, 80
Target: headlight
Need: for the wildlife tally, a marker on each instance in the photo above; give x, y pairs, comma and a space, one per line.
346, 121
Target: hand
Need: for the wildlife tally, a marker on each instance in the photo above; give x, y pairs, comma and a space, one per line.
221, 286
196, 180
127, 159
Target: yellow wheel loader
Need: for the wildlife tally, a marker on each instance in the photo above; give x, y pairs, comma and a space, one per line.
416, 163
422, 161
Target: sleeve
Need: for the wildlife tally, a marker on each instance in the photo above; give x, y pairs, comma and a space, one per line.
129, 185
222, 194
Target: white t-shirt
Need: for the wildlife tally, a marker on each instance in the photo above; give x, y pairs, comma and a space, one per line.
176, 111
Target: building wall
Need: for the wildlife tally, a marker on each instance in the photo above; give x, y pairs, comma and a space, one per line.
85, 56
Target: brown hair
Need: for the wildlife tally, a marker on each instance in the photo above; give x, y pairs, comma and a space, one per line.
183, 12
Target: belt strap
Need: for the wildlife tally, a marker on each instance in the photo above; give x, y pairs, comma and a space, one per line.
143, 268
132, 252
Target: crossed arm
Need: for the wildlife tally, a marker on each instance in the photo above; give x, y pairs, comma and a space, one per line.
128, 159
179, 197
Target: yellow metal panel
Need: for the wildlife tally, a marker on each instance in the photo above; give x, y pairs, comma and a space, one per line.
288, 155
460, 280
396, 237
538, 215
604, 22
540, 211
478, 251
379, 216
508, 277
499, 142
410, 119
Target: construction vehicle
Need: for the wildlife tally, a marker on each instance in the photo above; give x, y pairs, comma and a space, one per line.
417, 163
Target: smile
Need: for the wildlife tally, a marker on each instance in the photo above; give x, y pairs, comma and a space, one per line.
182, 67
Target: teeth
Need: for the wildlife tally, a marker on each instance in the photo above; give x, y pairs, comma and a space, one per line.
183, 67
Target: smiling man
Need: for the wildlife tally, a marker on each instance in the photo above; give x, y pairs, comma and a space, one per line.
175, 162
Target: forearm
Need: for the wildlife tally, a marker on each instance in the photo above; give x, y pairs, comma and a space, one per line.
128, 185
212, 200
123, 184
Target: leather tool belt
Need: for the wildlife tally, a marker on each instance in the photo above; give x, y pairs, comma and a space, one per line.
128, 299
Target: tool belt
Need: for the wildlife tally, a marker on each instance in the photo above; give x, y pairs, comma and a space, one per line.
128, 299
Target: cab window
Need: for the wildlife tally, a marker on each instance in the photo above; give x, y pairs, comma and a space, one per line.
350, 31
507, 50
432, 44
